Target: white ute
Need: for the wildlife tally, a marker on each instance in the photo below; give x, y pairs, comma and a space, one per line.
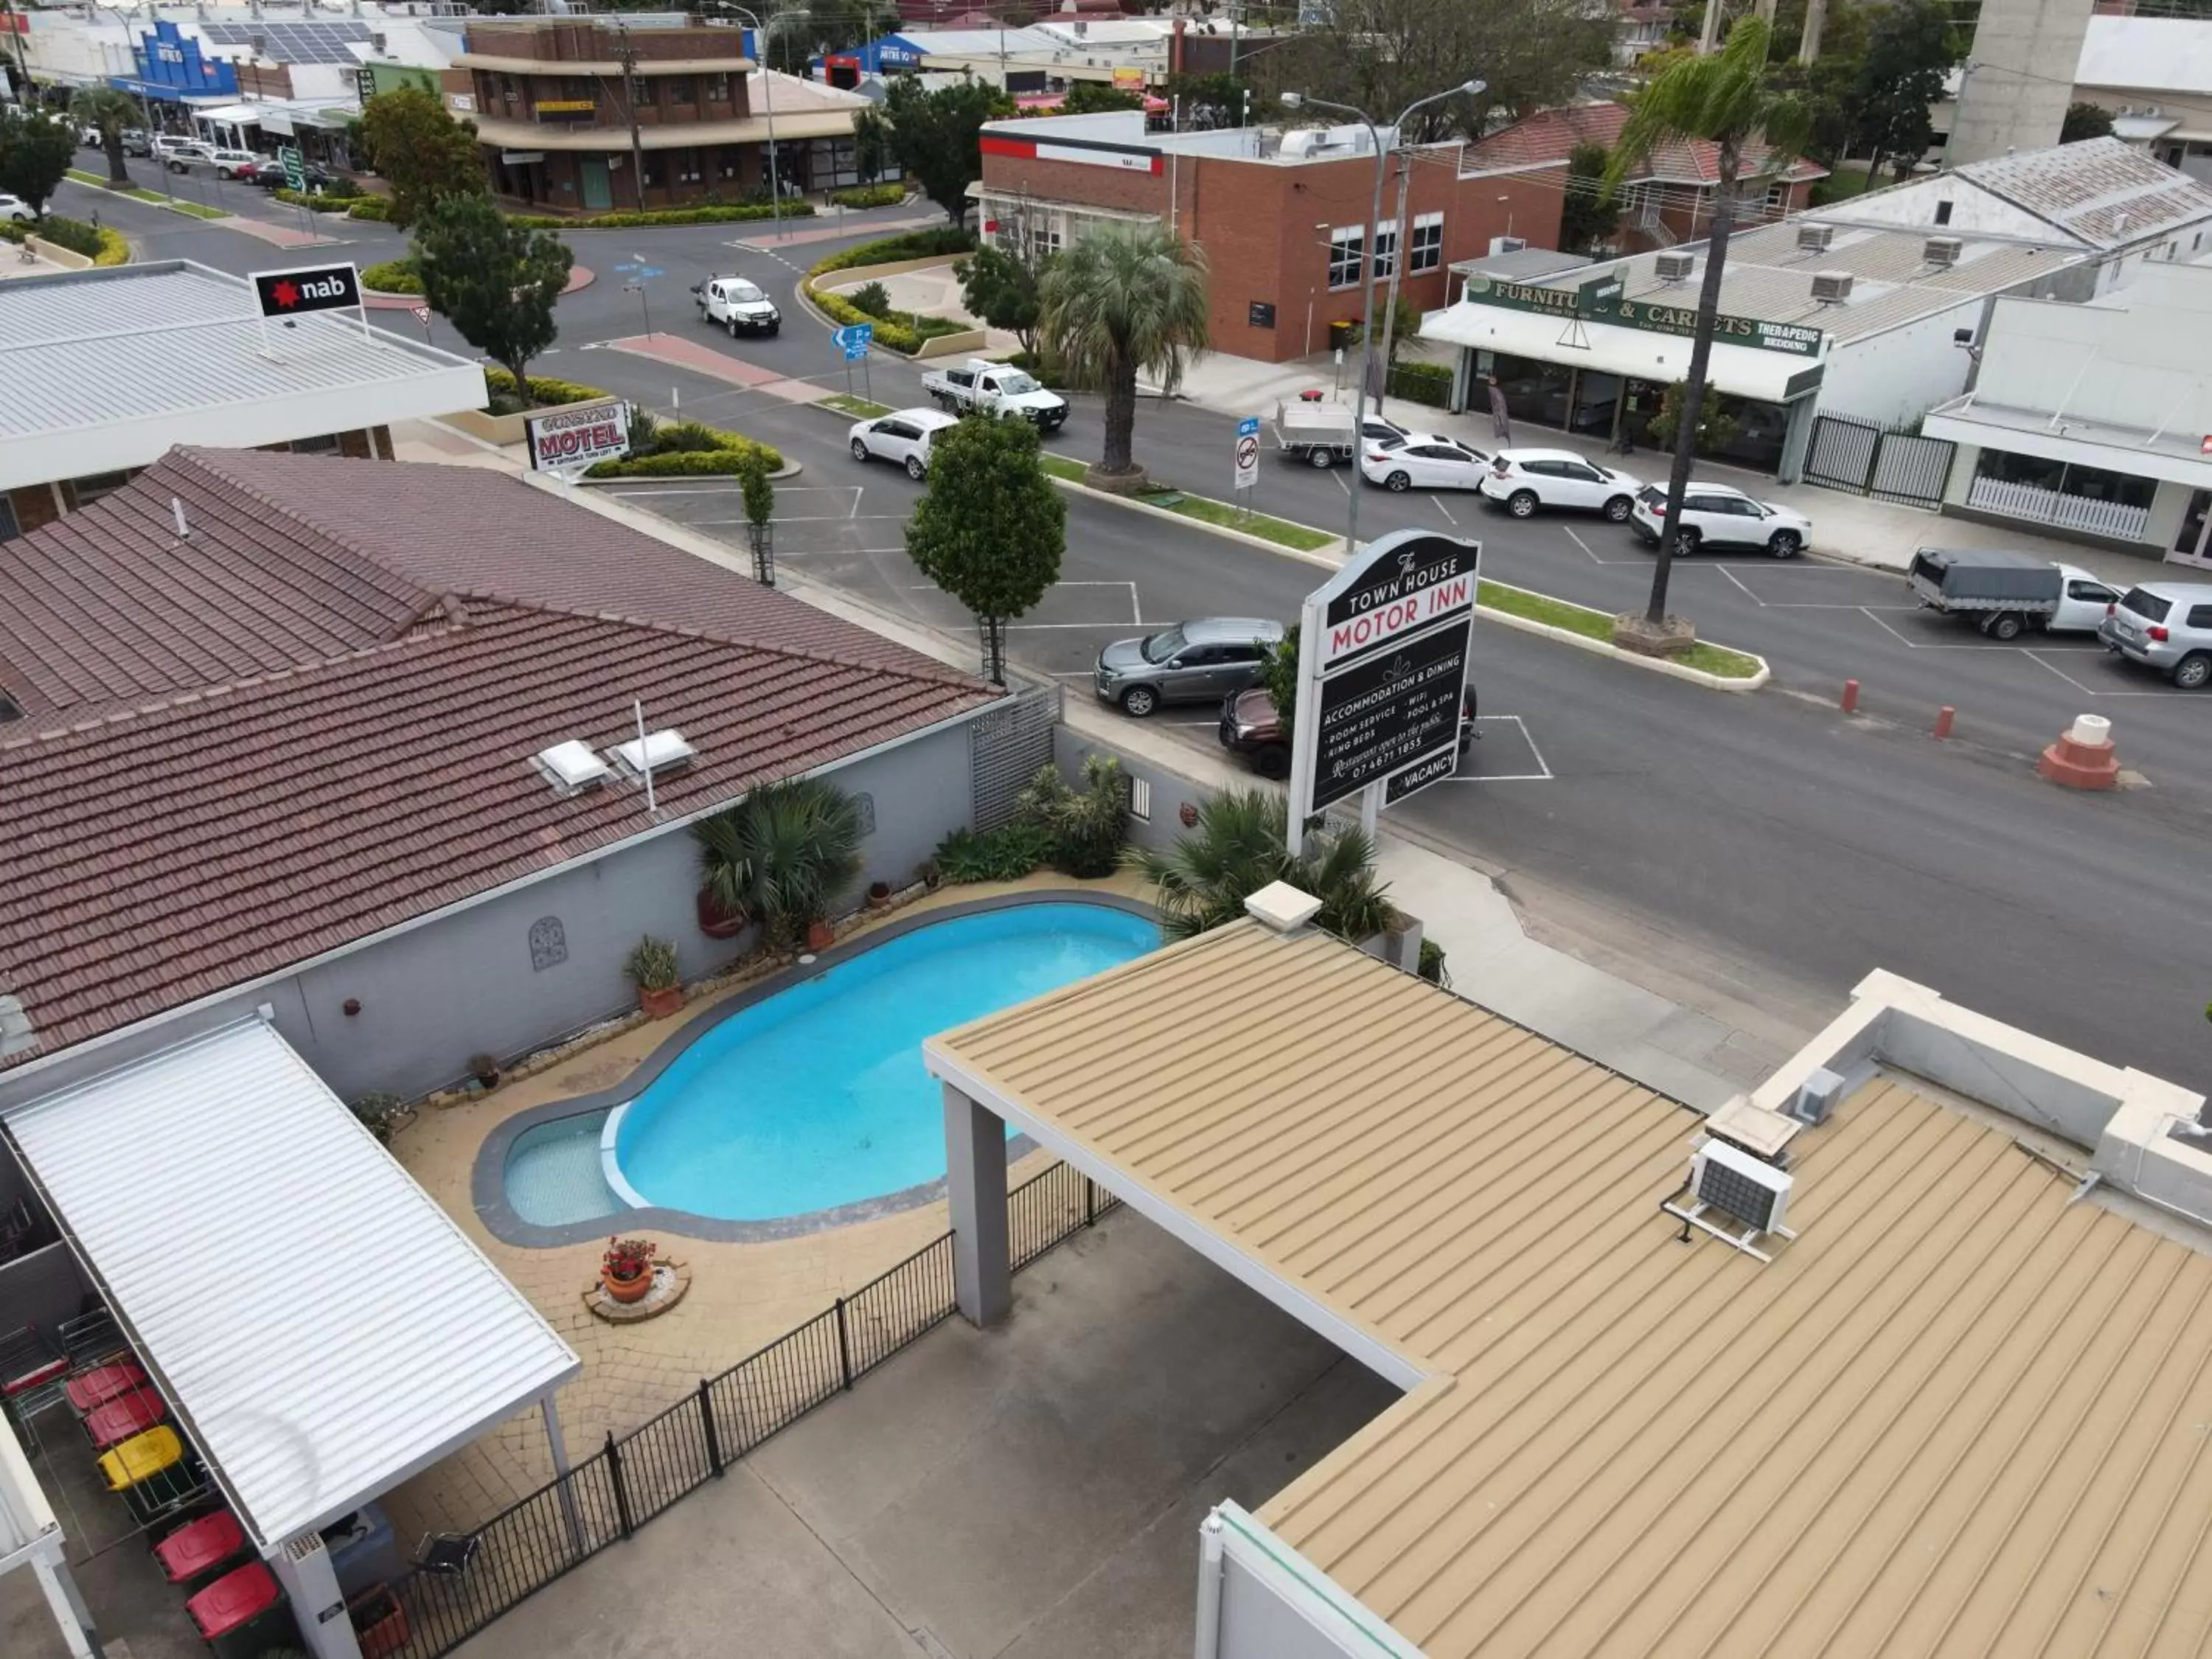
980, 387
737, 304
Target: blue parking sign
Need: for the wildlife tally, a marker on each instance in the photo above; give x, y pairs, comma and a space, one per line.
853, 340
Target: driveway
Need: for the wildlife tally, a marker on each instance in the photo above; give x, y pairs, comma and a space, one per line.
1032, 1492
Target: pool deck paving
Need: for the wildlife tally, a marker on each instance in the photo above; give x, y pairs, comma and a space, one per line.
743, 1296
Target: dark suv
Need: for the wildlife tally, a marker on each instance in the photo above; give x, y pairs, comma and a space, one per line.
1250, 727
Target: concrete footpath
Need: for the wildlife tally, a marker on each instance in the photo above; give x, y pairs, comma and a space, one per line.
1855, 528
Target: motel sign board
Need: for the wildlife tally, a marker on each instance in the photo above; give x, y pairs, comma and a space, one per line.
1383, 651
579, 437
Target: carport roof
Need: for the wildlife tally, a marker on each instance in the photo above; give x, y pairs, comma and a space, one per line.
1959, 1412
325, 1329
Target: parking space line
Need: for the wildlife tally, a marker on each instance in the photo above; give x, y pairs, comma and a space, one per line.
1545, 775
2034, 657
1446, 511
1579, 542
1341, 483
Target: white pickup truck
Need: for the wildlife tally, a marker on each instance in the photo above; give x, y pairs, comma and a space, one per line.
980, 387
733, 303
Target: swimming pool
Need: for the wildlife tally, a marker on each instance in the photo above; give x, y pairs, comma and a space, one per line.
815, 1096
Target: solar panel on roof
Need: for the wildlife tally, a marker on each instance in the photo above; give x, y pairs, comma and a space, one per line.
293, 42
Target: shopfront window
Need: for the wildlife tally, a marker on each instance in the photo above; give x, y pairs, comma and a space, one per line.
1386, 251
1347, 248
1535, 392
2074, 497
717, 89
679, 89
2192, 545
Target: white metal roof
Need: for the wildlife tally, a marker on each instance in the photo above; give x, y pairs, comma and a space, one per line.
324, 1328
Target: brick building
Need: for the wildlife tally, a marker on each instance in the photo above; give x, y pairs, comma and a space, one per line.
555, 99
1283, 216
107, 370
1668, 198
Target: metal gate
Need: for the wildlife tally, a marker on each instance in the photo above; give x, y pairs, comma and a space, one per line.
1892, 466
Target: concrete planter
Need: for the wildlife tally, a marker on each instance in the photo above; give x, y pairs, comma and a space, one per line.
505, 429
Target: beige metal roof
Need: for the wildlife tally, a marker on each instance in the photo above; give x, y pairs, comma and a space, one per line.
1957, 1414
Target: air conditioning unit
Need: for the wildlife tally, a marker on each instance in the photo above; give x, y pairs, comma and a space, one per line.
1942, 250
1814, 239
1832, 288
1729, 1179
1507, 243
1816, 1096
1675, 267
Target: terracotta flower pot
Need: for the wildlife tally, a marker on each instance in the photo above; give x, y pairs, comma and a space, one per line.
627, 1289
820, 936
879, 896
659, 1004
714, 920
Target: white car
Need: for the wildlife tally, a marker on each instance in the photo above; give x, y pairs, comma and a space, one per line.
1526, 479
15, 210
228, 163
185, 153
904, 436
1423, 461
1714, 515
166, 144
738, 304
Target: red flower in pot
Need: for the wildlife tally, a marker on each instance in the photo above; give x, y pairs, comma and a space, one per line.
626, 1269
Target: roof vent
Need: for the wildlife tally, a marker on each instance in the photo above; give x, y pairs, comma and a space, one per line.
1281, 907
1816, 1096
659, 751
1728, 1182
572, 765
1942, 250
1675, 267
1814, 239
1832, 288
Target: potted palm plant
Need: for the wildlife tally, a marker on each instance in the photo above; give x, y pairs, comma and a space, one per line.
784, 854
724, 903
626, 1269
651, 967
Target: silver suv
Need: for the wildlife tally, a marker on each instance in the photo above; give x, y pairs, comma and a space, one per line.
2166, 626
1200, 661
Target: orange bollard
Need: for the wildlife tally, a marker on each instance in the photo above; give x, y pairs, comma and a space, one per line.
1851, 696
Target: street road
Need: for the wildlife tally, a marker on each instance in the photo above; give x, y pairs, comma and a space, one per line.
1757, 853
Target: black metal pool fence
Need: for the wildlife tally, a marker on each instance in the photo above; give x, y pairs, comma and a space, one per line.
634, 1476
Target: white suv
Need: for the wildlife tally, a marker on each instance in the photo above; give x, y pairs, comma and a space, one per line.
2166, 626
1526, 479
903, 437
1714, 515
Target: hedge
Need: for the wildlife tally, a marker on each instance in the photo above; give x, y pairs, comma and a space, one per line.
74, 234
734, 457
325, 203
1422, 383
373, 207
871, 196
914, 244
698, 215
392, 277
542, 389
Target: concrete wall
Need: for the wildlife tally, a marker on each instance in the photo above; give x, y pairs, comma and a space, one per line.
434, 994
1897, 377
42, 1289
1169, 789
2020, 78
1275, 1604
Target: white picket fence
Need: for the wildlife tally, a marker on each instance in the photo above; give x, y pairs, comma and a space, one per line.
2034, 502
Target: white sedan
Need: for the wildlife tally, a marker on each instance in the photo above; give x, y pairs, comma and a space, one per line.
1714, 515
1425, 461
902, 437
15, 209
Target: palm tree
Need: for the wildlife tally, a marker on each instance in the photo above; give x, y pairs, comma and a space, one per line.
109, 111
1125, 297
1725, 100
782, 855
1237, 848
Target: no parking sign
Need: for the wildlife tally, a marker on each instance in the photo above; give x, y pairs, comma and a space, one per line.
1248, 452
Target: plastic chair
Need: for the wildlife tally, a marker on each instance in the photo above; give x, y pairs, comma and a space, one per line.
447, 1554
198, 1547
233, 1600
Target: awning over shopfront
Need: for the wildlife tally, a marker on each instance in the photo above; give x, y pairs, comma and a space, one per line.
324, 1329
1610, 348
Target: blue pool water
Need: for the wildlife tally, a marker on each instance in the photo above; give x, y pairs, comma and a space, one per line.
815, 1097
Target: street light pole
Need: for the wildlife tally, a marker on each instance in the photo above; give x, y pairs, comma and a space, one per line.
767, 93
1299, 100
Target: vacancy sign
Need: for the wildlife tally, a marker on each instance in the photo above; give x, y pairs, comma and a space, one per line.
579, 437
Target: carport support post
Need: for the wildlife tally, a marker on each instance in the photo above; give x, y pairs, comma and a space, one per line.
566, 1487
975, 1183
78, 1634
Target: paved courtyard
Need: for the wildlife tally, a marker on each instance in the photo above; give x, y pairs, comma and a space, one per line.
742, 1297
1033, 1492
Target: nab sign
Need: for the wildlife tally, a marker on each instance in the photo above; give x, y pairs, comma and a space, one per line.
1382, 652
294, 292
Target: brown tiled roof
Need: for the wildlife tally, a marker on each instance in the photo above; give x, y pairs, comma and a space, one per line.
240, 776
1554, 135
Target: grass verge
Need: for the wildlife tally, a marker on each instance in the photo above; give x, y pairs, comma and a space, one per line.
859, 408
1281, 531
140, 193
1714, 659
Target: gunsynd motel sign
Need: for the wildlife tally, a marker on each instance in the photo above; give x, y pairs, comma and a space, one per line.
1383, 653
579, 437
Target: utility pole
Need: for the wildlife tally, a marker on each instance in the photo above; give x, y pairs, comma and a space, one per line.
626, 55
1816, 18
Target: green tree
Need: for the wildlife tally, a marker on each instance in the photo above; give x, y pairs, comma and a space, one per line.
493, 281
1125, 298
1001, 289
422, 152
1208, 101
1095, 98
871, 137
1910, 48
1404, 325
934, 136
2084, 121
35, 151
1279, 678
1590, 216
110, 112
990, 528
1237, 848
1728, 100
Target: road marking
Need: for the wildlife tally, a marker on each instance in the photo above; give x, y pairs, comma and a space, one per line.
1579, 542
1446, 511
1543, 774
1914, 645
1341, 483
2035, 657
